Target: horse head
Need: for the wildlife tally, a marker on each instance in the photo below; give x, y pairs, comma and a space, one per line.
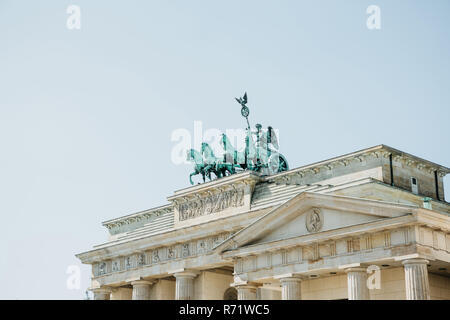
272, 137
205, 146
194, 155
224, 140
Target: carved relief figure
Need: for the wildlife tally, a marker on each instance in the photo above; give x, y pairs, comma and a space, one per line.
185, 250
128, 263
314, 220
141, 259
115, 266
170, 253
102, 268
155, 256
215, 241
211, 204
201, 246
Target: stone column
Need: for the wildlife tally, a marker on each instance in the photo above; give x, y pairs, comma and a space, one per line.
246, 292
141, 290
357, 284
184, 287
102, 293
290, 288
121, 293
416, 279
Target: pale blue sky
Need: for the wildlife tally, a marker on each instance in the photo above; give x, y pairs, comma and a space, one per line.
86, 115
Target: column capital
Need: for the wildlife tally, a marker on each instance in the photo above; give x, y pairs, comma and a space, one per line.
142, 282
183, 273
355, 269
293, 279
348, 266
102, 290
289, 277
101, 293
141, 288
415, 261
245, 284
246, 290
290, 280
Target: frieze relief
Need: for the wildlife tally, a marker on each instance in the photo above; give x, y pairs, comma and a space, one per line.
211, 204
102, 268
128, 263
141, 259
116, 265
315, 252
162, 254
314, 220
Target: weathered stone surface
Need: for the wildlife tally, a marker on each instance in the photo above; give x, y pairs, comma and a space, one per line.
325, 223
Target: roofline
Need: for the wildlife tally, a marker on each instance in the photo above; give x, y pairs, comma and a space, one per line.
355, 153
250, 174
166, 206
444, 168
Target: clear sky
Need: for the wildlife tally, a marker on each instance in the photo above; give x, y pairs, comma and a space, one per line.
86, 116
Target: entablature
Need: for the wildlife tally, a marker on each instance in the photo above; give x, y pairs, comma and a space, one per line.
122, 248
386, 247
214, 200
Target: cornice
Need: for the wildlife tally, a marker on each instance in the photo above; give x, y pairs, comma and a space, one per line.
433, 219
111, 250
380, 151
137, 217
233, 182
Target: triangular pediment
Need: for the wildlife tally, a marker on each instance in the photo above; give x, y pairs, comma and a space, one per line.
317, 219
310, 213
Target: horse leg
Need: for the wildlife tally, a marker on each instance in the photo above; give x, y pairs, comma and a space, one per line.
208, 171
190, 177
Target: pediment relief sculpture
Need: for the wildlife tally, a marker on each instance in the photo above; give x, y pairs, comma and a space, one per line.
314, 220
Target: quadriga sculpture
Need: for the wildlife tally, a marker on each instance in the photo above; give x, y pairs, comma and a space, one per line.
260, 154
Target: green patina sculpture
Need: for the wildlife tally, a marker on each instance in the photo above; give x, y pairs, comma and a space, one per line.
261, 156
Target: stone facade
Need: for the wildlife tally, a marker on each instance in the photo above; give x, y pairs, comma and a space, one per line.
353, 227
